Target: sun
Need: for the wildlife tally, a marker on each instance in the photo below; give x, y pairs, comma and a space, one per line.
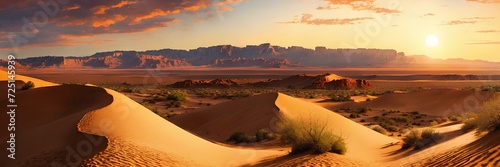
432, 40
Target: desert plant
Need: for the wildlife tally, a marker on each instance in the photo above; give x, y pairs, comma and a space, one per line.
28, 85
380, 130
488, 116
419, 139
311, 135
263, 134
239, 137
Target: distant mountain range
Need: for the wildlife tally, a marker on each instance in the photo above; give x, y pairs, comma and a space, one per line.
263, 55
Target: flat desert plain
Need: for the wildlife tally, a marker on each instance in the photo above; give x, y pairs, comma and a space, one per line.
136, 118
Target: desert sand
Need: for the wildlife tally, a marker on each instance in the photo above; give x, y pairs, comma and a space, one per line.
92, 126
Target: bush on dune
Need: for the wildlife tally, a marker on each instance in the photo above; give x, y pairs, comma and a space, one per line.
239, 137
380, 129
419, 139
486, 118
28, 85
311, 135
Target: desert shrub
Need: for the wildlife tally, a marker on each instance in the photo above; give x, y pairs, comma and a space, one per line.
311, 136
177, 95
364, 109
455, 118
239, 137
127, 90
28, 85
433, 123
380, 130
390, 127
401, 119
419, 139
468, 125
353, 115
488, 116
264, 135
362, 120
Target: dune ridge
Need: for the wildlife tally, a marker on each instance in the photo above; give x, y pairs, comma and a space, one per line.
128, 121
220, 121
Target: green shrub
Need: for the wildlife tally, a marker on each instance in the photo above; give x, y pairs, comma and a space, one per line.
311, 136
28, 85
380, 130
177, 95
239, 137
419, 139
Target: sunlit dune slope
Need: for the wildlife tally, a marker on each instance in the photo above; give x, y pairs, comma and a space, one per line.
253, 113
138, 136
38, 82
45, 126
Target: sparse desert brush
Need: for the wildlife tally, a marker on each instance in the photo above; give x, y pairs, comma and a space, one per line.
420, 138
469, 125
264, 134
177, 95
311, 135
28, 85
488, 115
239, 137
433, 123
380, 130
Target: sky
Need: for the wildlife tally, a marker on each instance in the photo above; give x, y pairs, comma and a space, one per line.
468, 29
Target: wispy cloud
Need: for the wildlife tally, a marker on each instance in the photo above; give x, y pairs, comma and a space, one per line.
485, 43
469, 20
308, 19
429, 14
488, 31
359, 5
485, 1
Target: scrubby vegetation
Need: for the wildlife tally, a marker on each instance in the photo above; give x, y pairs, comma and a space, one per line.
311, 135
28, 85
380, 130
487, 117
240, 137
264, 134
419, 139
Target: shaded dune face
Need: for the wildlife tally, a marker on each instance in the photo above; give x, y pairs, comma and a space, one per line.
220, 121
46, 125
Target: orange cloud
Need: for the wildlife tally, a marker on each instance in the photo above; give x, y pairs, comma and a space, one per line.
308, 19
155, 13
66, 36
197, 20
102, 9
359, 5
74, 7
429, 14
106, 22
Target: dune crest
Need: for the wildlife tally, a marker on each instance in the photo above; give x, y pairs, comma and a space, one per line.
129, 127
244, 115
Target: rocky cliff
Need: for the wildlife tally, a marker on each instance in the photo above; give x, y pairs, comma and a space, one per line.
263, 55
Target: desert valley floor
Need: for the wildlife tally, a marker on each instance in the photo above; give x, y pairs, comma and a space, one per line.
102, 118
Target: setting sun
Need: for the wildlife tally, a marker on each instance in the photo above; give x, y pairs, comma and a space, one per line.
432, 40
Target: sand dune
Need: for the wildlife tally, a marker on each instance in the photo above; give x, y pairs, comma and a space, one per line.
482, 152
437, 102
127, 121
38, 82
244, 115
46, 121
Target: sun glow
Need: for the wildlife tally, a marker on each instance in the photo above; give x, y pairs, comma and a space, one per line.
432, 40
